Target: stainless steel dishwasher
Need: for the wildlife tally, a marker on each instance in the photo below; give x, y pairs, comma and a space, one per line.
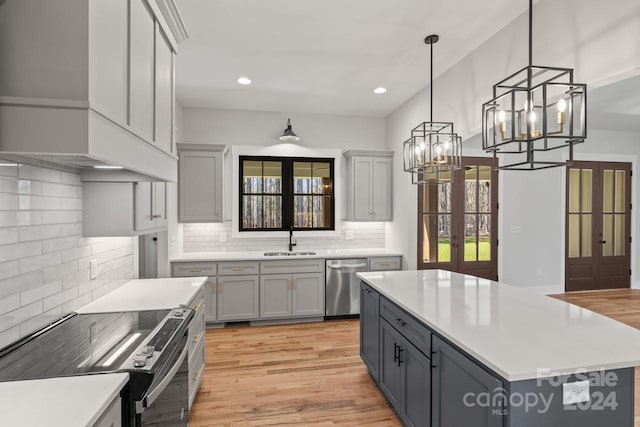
342, 290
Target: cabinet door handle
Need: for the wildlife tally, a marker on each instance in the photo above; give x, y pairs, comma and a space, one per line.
401, 322
196, 338
195, 270
238, 268
400, 350
196, 375
396, 347
366, 290
197, 308
435, 356
293, 283
220, 288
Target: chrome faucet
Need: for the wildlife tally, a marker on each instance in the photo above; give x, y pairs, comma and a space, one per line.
291, 242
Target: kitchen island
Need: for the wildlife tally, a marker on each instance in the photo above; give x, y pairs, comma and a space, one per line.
449, 350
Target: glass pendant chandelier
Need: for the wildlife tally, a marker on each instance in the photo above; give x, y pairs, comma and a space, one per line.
434, 150
534, 110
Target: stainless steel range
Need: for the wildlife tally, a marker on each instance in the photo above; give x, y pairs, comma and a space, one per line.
150, 345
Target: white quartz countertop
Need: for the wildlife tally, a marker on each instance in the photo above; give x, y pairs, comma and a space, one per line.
517, 333
260, 255
58, 402
147, 294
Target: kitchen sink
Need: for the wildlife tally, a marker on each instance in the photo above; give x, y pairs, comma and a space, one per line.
288, 253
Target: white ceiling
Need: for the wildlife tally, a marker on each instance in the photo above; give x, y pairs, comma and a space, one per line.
616, 106
325, 56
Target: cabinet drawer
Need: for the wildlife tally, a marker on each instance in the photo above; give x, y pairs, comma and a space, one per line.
112, 417
196, 332
188, 269
418, 334
294, 266
237, 268
196, 370
385, 263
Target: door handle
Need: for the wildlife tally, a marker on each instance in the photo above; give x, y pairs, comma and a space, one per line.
400, 350
454, 245
602, 242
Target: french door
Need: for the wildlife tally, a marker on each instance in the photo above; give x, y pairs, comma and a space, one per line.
598, 226
457, 221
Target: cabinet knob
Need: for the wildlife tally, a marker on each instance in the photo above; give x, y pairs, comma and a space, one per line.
196, 338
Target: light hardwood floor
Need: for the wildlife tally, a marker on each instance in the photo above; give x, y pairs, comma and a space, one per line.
311, 373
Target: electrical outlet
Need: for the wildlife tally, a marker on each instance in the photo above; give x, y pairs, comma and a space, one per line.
575, 392
93, 269
348, 235
223, 237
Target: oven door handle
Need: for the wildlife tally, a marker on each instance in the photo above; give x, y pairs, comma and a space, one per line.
153, 394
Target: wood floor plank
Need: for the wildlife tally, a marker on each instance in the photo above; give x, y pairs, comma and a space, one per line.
311, 373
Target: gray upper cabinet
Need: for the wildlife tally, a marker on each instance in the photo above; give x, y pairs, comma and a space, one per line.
142, 50
94, 80
123, 208
369, 185
200, 193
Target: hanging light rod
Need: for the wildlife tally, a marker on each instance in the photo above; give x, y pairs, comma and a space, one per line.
534, 110
433, 151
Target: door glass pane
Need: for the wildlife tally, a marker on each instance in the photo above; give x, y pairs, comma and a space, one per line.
574, 236
470, 187
619, 235
484, 187
272, 211
445, 197
444, 238
607, 235
272, 177
586, 236
252, 217
607, 191
484, 238
252, 176
470, 238
620, 191
574, 190
430, 199
430, 238
587, 175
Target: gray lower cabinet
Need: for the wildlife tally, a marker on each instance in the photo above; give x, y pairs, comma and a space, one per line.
238, 298
405, 377
370, 328
291, 295
211, 297
454, 377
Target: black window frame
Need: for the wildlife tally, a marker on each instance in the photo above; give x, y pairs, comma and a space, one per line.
287, 191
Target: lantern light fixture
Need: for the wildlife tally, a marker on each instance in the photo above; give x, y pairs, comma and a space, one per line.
534, 110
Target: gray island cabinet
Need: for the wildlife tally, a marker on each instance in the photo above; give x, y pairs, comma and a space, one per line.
450, 350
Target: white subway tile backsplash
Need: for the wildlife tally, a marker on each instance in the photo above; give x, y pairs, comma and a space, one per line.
44, 260
40, 262
206, 238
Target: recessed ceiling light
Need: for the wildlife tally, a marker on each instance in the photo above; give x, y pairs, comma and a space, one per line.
107, 167
379, 90
244, 80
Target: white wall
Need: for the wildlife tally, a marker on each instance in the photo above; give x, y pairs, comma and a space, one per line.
44, 260
601, 40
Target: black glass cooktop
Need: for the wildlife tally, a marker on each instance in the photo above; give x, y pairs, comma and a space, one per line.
81, 344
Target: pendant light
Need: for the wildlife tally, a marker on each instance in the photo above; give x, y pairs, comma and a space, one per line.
288, 135
434, 150
534, 110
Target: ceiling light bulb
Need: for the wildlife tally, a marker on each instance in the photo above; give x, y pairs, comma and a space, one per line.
244, 80
379, 90
422, 145
446, 145
502, 116
562, 105
532, 117
438, 149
